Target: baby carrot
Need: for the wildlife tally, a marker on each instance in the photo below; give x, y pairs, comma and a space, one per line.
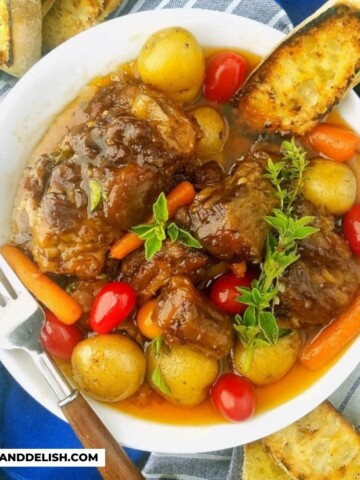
183, 194
63, 306
331, 339
334, 141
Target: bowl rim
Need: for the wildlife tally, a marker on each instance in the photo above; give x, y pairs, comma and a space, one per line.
29, 94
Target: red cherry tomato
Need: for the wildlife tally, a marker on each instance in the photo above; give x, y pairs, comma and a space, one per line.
351, 229
225, 73
234, 397
58, 338
223, 292
111, 306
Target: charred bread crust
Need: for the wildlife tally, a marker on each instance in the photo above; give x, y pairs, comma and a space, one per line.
69, 17
25, 36
323, 445
306, 75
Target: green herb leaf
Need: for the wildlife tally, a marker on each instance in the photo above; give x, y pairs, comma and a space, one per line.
249, 317
269, 327
173, 232
155, 233
152, 246
157, 377
158, 380
156, 344
187, 239
160, 209
258, 326
95, 194
144, 231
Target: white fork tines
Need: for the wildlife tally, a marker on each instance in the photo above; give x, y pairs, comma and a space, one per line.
16, 306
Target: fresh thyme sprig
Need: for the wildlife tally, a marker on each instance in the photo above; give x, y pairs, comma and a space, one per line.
258, 326
287, 176
155, 233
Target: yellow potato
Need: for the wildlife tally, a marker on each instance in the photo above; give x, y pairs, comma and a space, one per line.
330, 184
213, 128
271, 363
108, 367
186, 372
172, 61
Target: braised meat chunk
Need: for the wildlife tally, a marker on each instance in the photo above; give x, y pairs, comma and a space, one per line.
104, 176
148, 277
187, 316
228, 218
323, 282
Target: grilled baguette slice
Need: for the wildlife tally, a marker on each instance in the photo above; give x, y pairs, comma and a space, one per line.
258, 465
21, 35
321, 446
69, 17
307, 74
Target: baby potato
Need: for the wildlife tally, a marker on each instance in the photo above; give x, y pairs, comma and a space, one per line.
187, 373
213, 128
330, 184
108, 367
172, 61
269, 363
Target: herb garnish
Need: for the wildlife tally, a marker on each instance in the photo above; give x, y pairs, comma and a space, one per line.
155, 233
258, 326
157, 377
95, 194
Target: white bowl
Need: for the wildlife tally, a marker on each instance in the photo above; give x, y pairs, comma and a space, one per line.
25, 115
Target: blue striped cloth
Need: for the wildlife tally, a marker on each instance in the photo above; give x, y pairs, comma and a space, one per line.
26, 424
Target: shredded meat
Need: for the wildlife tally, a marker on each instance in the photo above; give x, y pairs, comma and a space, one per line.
228, 218
323, 282
104, 176
187, 316
147, 277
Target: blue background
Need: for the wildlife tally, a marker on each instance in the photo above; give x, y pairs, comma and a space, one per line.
26, 424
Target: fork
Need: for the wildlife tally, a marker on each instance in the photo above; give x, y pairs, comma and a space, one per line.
21, 320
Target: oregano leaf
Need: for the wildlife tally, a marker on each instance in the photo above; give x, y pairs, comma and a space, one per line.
160, 209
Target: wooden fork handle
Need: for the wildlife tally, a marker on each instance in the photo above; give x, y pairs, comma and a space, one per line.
92, 433
88, 427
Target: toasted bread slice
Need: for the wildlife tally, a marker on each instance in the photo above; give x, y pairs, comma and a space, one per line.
307, 74
5, 33
321, 446
46, 5
69, 17
24, 24
258, 465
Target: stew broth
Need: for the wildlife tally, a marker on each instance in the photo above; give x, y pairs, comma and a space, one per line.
146, 403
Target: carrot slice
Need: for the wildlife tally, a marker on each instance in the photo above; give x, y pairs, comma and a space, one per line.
63, 306
334, 142
183, 194
331, 339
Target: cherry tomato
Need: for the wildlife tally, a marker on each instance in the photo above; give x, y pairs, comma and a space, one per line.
58, 338
234, 397
145, 323
351, 229
111, 306
225, 73
223, 292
